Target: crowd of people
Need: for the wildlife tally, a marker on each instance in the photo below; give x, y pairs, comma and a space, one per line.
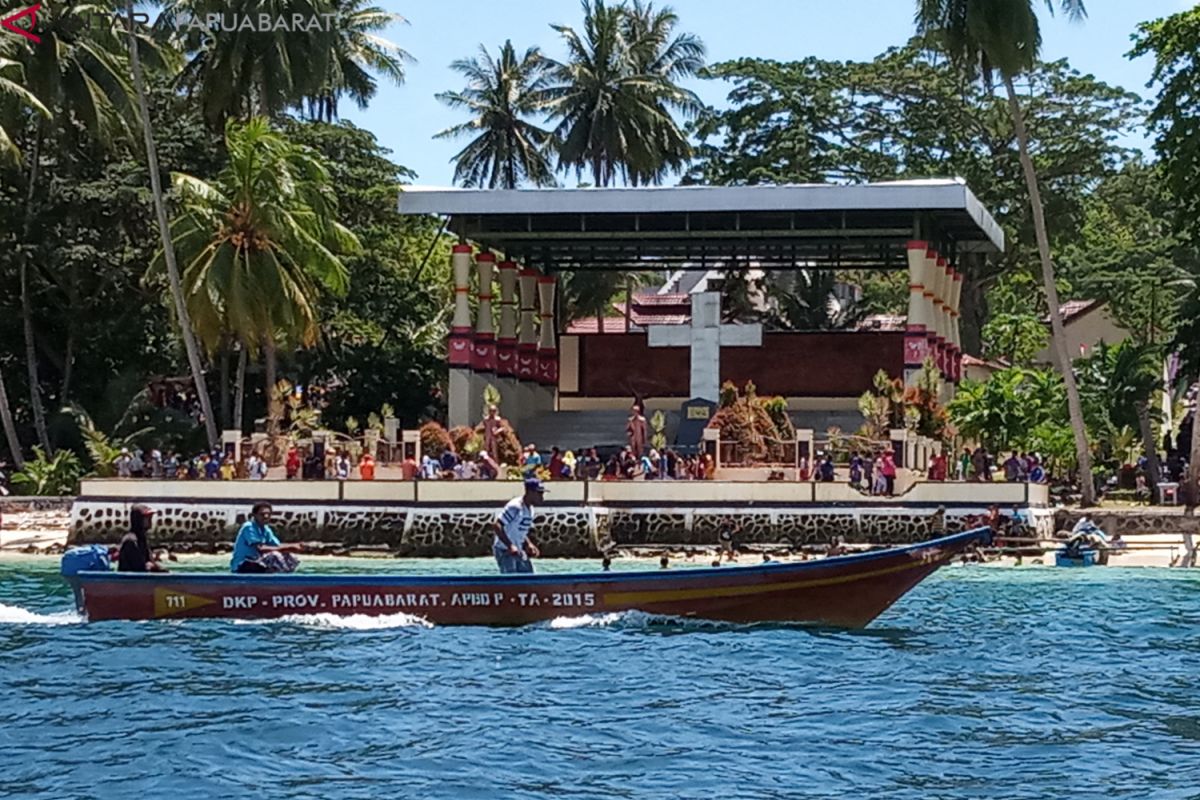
560, 464
217, 465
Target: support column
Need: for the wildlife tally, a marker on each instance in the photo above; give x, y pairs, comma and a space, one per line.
547, 369
527, 339
506, 342
955, 330
916, 341
935, 290
458, 350
483, 356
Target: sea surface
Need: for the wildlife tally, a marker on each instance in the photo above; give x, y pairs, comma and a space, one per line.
984, 682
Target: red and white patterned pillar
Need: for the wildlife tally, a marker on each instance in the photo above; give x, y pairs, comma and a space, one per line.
506, 340
527, 334
916, 345
547, 346
955, 330
483, 357
458, 349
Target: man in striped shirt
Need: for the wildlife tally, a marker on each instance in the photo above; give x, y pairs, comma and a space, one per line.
512, 547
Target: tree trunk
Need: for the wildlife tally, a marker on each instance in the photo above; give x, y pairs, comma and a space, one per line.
1153, 471
274, 407
10, 430
164, 230
239, 389
1192, 490
68, 364
31, 360
1058, 336
223, 387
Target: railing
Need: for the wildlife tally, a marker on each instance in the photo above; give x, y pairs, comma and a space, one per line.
654, 492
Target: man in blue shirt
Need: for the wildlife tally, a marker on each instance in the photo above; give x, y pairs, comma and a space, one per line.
258, 549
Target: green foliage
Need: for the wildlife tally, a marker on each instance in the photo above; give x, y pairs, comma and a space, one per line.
1174, 42
614, 94
49, 476
1025, 408
102, 448
501, 95
491, 397
658, 424
383, 342
268, 72
909, 114
1014, 338
1130, 255
255, 243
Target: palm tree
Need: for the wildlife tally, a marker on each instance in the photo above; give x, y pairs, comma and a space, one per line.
614, 94
655, 51
14, 99
502, 94
77, 73
10, 429
256, 242
239, 73
160, 212
358, 51
1003, 36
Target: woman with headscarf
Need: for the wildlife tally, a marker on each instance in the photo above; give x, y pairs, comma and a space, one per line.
134, 554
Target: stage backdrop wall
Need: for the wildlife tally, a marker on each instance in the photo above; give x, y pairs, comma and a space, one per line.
836, 364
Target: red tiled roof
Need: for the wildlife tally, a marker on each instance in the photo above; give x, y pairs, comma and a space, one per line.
1073, 309
682, 299
588, 325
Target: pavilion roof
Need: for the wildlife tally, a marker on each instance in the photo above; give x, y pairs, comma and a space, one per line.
708, 227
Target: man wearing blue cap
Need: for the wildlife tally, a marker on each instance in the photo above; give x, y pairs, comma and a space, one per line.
512, 546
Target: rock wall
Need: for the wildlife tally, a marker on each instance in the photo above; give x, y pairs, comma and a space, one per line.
561, 531
1128, 521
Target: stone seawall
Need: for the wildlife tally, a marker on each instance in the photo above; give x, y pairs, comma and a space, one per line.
560, 530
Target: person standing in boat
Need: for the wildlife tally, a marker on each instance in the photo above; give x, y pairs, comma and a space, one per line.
512, 547
134, 554
257, 548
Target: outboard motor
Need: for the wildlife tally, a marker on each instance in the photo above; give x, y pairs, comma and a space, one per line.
88, 558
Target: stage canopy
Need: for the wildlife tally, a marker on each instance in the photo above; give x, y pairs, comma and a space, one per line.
807, 226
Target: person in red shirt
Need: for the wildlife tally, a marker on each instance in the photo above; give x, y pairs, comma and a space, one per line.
408, 468
293, 463
366, 467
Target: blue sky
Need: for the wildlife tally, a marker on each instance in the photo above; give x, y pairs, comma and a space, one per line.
406, 117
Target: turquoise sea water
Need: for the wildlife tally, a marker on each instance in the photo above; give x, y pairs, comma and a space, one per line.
982, 683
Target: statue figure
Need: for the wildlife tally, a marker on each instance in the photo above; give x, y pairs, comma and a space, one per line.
635, 430
492, 425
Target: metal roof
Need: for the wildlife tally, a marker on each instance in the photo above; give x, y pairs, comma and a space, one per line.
705, 227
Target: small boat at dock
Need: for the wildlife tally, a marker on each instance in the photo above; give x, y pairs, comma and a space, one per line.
844, 591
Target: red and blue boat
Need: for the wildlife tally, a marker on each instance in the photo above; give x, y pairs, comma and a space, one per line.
844, 591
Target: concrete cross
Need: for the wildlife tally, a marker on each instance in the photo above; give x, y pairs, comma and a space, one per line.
705, 336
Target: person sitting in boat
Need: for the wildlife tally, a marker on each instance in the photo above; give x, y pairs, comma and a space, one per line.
258, 549
134, 554
512, 547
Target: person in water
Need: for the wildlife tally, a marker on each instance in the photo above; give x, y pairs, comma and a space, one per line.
134, 553
512, 547
257, 548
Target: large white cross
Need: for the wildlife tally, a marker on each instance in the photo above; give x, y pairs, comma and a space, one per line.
705, 336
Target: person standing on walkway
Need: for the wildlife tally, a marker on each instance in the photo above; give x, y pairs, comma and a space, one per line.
512, 547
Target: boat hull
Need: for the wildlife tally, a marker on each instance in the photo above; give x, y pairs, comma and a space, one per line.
847, 591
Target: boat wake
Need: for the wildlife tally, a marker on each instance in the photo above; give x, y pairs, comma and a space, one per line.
15, 615
642, 621
352, 622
